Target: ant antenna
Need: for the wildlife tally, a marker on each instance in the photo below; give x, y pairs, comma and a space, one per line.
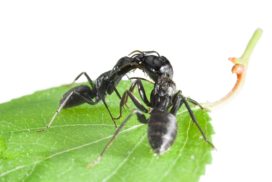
139, 78
152, 52
135, 53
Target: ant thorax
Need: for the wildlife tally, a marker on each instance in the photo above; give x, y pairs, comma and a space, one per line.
162, 93
165, 86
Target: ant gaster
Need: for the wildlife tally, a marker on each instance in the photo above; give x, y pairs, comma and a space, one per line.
149, 61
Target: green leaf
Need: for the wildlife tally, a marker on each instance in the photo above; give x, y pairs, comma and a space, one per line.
79, 134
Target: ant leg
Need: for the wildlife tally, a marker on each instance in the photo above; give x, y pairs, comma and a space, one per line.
141, 91
81, 94
179, 100
195, 121
117, 131
194, 102
76, 96
141, 118
137, 103
107, 107
87, 76
103, 100
58, 111
117, 93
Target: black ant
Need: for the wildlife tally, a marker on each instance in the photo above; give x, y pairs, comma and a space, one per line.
149, 61
164, 99
164, 103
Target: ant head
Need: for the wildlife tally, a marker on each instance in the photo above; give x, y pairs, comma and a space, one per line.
153, 63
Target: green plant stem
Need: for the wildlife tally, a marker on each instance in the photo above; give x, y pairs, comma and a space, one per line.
240, 69
250, 46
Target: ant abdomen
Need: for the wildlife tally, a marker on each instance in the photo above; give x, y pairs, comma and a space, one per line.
162, 130
76, 95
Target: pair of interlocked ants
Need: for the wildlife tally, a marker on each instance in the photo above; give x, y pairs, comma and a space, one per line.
162, 106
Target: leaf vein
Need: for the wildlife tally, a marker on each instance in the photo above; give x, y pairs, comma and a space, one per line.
65, 151
125, 159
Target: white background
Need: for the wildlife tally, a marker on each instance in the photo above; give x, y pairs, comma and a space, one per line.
47, 43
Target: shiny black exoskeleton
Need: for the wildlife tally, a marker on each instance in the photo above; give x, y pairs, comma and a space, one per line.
163, 106
150, 62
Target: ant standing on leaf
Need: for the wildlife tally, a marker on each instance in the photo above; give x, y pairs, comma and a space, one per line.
149, 61
163, 104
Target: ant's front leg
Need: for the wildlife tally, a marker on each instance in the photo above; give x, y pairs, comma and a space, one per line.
141, 89
134, 99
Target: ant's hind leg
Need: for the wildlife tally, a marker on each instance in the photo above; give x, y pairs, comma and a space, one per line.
75, 96
80, 95
87, 76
